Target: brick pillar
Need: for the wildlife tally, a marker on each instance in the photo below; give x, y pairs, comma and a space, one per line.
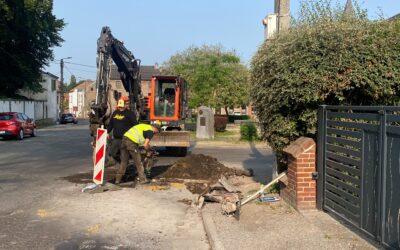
299, 189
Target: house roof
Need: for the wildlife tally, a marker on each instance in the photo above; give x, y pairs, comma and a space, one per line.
82, 85
395, 17
146, 72
50, 74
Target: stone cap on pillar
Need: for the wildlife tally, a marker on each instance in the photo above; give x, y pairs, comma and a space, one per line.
299, 146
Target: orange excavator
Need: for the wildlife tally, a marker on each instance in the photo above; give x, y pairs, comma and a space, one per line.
167, 100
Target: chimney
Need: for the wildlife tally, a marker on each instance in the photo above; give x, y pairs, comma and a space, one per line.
349, 9
156, 66
282, 9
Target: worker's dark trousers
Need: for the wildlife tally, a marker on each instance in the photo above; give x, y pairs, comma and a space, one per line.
128, 147
114, 152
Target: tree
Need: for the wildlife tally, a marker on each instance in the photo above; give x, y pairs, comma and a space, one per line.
72, 83
331, 59
216, 77
28, 31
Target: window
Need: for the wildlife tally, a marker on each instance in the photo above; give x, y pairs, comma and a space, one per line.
6, 117
164, 103
53, 85
25, 117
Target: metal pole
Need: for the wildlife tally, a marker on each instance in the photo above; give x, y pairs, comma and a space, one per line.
382, 176
62, 86
321, 156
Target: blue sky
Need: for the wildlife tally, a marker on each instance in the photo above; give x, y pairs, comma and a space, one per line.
155, 30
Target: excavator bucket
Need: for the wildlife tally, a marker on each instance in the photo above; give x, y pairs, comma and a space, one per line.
171, 139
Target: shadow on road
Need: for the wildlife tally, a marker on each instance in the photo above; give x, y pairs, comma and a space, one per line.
261, 164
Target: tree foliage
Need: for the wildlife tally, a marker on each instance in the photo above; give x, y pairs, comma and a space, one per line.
329, 59
216, 77
72, 83
28, 31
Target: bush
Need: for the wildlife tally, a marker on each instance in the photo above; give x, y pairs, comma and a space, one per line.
335, 61
45, 123
248, 131
232, 118
220, 122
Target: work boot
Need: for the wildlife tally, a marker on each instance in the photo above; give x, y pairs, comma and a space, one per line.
118, 178
143, 180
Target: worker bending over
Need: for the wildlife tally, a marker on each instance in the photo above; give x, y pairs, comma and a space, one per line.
139, 135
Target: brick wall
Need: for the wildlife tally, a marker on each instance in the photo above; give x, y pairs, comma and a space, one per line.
299, 188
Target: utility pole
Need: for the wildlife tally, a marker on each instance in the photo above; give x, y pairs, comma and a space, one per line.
62, 84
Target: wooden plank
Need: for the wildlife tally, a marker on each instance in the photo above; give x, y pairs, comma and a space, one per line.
355, 218
343, 176
342, 202
344, 142
343, 184
343, 194
354, 134
359, 116
224, 182
343, 159
343, 168
363, 126
340, 149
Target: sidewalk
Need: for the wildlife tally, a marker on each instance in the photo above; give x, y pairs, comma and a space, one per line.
269, 225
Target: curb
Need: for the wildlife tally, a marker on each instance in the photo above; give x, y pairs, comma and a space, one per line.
211, 231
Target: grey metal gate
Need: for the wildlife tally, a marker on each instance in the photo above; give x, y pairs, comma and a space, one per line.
359, 168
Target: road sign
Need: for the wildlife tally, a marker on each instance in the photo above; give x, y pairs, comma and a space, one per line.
101, 142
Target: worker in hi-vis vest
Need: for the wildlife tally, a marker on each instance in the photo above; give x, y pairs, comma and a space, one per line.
136, 136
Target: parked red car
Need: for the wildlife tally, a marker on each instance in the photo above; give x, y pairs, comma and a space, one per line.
17, 125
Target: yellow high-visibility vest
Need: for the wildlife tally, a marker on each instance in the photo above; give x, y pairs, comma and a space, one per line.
135, 133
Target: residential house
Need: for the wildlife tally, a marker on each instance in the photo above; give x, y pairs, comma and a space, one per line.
146, 72
80, 98
48, 96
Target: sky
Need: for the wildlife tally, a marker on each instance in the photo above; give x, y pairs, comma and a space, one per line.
155, 30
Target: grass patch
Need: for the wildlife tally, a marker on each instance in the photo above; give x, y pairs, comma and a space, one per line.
45, 123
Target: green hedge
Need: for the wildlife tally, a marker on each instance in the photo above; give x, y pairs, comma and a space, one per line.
343, 61
248, 132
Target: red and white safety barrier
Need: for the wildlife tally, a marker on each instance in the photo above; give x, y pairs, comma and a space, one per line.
101, 142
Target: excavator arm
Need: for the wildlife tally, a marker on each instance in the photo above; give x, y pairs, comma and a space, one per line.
110, 49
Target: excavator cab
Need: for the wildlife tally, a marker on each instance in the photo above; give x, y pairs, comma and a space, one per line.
168, 103
168, 100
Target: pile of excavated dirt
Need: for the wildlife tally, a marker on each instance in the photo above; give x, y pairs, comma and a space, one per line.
205, 169
197, 167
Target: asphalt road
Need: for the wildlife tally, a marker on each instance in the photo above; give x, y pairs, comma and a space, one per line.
29, 167
38, 210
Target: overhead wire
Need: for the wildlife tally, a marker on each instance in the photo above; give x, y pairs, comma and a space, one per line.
84, 65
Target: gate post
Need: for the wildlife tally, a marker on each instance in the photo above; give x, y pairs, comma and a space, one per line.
382, 176
300, 189
321, 155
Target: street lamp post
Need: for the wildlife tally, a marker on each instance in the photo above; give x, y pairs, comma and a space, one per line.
62, 83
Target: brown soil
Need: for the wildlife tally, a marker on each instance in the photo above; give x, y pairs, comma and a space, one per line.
193, 167
197, 167
109, 176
